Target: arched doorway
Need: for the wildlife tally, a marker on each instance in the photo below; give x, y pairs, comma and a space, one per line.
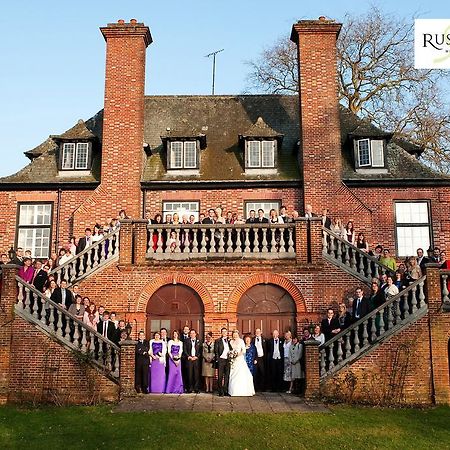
266, 306
173, 306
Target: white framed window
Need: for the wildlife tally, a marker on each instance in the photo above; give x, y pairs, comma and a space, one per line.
265, 205
260, 154
34, 228
412, 226
370, 152
181, 208
75, 156
183, 155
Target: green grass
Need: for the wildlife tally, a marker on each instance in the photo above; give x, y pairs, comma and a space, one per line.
345, 428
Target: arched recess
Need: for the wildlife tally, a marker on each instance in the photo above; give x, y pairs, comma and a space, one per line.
267, 278
173, 306
173, 278
268, 307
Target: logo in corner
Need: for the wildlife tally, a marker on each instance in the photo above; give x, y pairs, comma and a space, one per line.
432, 44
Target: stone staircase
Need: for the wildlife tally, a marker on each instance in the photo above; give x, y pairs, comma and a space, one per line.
90, 260
365, 335
65, 329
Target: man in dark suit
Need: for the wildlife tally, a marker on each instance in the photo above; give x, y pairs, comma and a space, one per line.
330, 325
62, 295
275, 361
183, 338
221, 350
260, 367
421, 259
326, 220
85, 241
360, 305
142, 361
40, 276
261, 218
251, 234
192, 349
309, 212
106, 327
18, 257
252, 217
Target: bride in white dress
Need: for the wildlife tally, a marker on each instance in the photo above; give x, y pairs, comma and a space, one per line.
241, 379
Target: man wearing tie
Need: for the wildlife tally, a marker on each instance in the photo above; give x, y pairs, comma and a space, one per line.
360, 305
142, 362
63, 297
192, 351
183, 338
221, 350
108, 330
275, 359
259, 376
330, 325
85, 241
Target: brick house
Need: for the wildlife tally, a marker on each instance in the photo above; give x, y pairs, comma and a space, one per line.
187, 154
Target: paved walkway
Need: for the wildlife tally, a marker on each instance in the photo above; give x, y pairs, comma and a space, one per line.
266, 402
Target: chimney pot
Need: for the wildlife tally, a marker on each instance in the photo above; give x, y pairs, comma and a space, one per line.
322, 18
121, 21
133, 21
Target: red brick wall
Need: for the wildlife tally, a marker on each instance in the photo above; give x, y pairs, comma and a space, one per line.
230, 199
41, 370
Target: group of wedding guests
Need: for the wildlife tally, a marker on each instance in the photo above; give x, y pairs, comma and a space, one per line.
177, 363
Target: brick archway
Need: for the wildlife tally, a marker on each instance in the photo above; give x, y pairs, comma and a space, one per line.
266, 278
152, 286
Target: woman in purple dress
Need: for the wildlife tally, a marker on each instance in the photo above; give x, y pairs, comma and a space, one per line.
157, 374
174, 380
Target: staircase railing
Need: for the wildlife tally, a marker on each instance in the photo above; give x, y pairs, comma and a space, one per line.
354, 341
59, 324
191, 241
445, 283
90, 259
350, 258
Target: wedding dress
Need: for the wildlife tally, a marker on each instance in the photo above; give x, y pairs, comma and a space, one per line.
241, 379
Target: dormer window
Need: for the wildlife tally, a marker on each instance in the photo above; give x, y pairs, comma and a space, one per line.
75, 156
369, 153
183, 155
260, 154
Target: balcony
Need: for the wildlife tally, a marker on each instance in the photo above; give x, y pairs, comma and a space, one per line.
257, 241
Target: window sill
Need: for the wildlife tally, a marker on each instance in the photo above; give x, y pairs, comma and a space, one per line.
371, 170
74, 173
261, 171
183, 172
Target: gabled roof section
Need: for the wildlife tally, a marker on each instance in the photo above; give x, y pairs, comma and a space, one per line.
78, 131
46, 146
260, 129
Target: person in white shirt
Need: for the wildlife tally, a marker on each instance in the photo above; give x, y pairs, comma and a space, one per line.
260, 374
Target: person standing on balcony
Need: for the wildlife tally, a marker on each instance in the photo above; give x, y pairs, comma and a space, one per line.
388, 260
326, 220
330, 325
421, 259
26, 272
85, 241
360, 305
309, 212
350, 232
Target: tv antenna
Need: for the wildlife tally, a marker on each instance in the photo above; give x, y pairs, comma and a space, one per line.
213, 54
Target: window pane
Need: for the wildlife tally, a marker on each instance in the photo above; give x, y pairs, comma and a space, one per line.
190, 155
181, 208
363, 152
254, 157
409, 239
266, 206
411, 212
176, 155
68, 156
35, 214
268, 154
377, 153
82, 155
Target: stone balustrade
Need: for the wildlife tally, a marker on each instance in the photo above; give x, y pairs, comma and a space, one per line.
383, 321
58, 323
445, 284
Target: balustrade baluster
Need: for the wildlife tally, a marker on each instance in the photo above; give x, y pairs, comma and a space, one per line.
413, 299
177, 243
35, 305
356, 339
365, 335
52, 320
27, 301
339, 350
338, 250
76, 336
373, 331
405, 306
95, 257
273, 241
229, 240
361, 264
20, 296
159, 242
264, 240
291, 248
353, 261
203, 244
246, 240
347, 254
103, 255
421, 295
348, 347
324, 242
67, 327
108, 356
44, 312
382, 326
221, 248
59, 324
398, 311
194, 243
332, 244
391, 309
83, 340
81, 269
73, 269
323, 366
330, 358
445, 292
88, 262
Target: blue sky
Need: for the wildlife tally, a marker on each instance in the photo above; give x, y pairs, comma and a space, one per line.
52, 53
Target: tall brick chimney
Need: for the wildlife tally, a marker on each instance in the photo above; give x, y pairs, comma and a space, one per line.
123, 126
320, 141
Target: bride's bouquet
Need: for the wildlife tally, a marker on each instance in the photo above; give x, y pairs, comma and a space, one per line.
232, 355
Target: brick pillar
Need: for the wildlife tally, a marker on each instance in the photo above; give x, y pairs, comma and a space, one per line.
439, 326
301, 241
140, 241
8, 298
127, 368
320, 155
315, 242
312, 369
126, 242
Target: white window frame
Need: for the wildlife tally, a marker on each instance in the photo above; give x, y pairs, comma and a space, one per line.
181, 207
259, 145
266, 205
186, 147
373, 145
77, 148
34, 228
409, 229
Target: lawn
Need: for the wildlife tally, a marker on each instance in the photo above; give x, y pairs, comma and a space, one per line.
345, 428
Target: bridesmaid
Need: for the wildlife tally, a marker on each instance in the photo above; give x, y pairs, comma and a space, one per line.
157, 364
208, 370
174, 380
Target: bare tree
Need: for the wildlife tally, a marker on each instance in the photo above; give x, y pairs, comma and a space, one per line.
377, 81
